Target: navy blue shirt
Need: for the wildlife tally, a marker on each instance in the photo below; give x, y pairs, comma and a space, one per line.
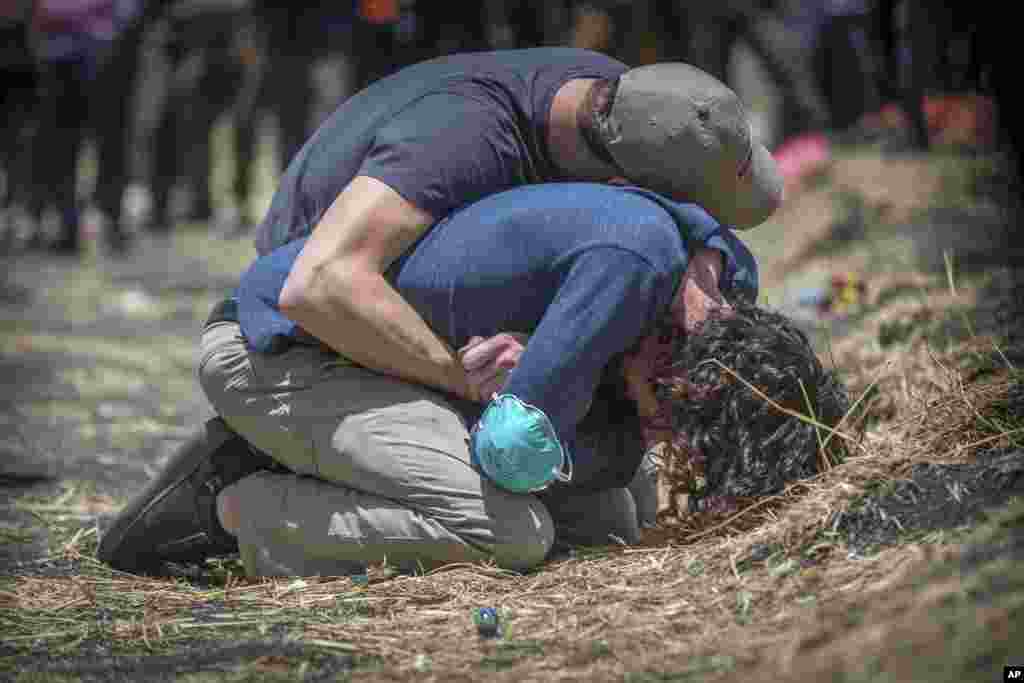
442, 133
586, 269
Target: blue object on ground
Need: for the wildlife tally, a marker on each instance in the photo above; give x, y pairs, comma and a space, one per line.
488, 623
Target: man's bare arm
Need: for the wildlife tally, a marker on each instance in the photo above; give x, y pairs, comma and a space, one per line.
337, 292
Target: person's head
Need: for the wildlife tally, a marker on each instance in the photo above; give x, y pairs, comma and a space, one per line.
734, 443
681, 132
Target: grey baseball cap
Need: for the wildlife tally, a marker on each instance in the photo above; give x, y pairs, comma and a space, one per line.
681, 132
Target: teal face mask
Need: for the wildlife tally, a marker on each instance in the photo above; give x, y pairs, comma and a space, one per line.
516, 446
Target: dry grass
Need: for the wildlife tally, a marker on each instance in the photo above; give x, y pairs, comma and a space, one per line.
770, 590
601, 616
689, 601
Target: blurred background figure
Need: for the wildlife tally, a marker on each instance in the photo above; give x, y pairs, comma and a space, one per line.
170, 91
19, 75
249, 61
707, 34
514, 24
846, 57
74, 43
201, 60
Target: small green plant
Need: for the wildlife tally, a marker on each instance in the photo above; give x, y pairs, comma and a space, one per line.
509, 652
744, 600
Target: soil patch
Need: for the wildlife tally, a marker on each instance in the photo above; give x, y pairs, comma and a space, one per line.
958, 618
267, 660
102, 361
933, 497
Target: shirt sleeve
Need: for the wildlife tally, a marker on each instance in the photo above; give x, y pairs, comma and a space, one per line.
608, 300
740, 277
447, 150
699, 229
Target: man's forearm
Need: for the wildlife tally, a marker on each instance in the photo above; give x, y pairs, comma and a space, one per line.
337, 293
361, 316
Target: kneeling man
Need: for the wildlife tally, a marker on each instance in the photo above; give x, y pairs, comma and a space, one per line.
352, 467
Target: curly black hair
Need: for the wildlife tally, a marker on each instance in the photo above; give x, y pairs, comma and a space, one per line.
728, 442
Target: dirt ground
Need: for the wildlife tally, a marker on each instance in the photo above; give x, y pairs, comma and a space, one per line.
932, 497
905, 563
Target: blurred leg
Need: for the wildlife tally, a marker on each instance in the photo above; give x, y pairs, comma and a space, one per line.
905, 68
918, 62
711, 45
18, 100
112, 109
59, 143
293, 103
843, 77
789, 65
165, 167
245, 130
219, 84
252, 48
176, 137
216, 87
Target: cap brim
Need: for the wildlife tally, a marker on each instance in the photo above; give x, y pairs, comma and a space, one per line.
758, 193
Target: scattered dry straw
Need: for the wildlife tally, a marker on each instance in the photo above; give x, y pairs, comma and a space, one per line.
688, 600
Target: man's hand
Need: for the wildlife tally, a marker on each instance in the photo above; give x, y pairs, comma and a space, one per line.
698, 294
488, 361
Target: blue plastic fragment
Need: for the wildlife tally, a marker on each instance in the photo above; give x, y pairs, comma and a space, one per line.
488, 623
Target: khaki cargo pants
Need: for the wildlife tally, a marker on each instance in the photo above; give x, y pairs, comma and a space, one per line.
381, 472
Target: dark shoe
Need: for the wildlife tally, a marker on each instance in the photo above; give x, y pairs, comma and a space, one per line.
174, 519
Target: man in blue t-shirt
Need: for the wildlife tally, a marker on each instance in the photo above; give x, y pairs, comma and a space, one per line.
382, 468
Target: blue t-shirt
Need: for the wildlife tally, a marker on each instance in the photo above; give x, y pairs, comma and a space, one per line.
442, 133
586, 269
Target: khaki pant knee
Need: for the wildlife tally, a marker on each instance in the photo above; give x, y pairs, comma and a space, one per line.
525, 539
